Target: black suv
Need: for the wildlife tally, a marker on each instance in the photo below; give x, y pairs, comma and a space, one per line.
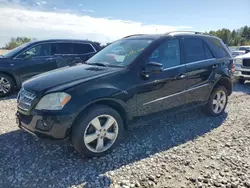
37, 57
136, 76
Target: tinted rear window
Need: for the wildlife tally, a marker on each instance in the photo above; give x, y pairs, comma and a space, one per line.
82, 48
63, 48
194, 50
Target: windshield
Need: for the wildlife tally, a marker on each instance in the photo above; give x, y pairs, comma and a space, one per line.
15, 50
120, 53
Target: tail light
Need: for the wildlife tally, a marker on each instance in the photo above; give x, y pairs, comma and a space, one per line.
232, 66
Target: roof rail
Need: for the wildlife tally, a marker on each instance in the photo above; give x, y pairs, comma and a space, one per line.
194, 32
133, 35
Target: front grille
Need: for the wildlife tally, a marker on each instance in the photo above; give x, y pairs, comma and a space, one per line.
246, 62
25, 100
246, 73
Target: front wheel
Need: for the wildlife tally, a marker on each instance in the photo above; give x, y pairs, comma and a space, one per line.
97, 132
217, 102
6, 85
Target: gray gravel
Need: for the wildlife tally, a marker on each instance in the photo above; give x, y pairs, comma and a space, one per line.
182, 150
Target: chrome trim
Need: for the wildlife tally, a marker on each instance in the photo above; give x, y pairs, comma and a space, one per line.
191, 63
32, 46
201, 61
28, 131
183, 65
25, 100
162, 98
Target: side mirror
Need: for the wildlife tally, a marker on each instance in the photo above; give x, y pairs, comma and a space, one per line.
247, 51
154, 67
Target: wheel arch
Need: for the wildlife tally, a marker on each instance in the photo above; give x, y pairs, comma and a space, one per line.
12, 76
112, 103
226, 82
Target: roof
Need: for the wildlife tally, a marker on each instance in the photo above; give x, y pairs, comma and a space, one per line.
173, 33
63, 40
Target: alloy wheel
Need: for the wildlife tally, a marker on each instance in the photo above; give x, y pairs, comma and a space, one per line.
4, 85
101, 133
219, 101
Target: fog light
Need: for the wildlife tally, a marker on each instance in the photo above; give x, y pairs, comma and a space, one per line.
44, 125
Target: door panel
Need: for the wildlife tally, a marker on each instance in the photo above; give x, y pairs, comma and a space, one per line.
199, 69
162, 91
198, 75
28, 68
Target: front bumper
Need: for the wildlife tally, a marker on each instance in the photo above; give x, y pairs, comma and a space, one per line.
44, 126
242, 73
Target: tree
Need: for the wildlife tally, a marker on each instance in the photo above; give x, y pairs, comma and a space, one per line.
14, 42
235, 37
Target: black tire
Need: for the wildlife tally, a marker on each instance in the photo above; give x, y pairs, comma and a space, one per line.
208, 108
241, 81
79, 128
12, 84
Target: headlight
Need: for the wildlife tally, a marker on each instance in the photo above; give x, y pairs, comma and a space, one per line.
53, 101
238, 61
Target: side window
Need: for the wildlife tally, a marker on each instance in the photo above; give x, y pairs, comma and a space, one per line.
208, 52
64, 48
168, 54
82, 48
193, 50
40, 50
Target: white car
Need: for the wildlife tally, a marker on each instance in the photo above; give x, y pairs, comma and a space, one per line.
242, 68
240, 51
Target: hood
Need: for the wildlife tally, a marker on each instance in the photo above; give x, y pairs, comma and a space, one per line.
66, 77
243, 56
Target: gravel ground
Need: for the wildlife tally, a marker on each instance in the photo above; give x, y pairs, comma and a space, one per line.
191, 151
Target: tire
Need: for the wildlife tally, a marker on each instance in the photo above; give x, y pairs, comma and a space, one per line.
83, 129
5, 81
210, 108
241, 81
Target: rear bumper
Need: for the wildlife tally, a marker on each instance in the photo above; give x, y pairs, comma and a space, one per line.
242, 73
52, 127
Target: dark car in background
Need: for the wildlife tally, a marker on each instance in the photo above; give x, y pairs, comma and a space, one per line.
134, 77
36, 57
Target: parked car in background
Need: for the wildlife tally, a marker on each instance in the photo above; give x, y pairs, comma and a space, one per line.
240, 51
37, 57
93, 103
242, 68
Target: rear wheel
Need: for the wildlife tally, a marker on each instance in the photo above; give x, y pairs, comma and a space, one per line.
97, 132
241, 81
6, 85
217, 102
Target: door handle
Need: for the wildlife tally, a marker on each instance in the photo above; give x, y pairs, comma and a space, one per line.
181, 76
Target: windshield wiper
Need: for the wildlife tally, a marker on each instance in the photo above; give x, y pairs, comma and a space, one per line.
100, 64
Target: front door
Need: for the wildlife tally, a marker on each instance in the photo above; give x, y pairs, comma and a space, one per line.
34, 61
163, 90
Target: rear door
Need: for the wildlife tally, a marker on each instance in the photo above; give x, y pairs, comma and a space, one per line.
83, 50
200, 65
